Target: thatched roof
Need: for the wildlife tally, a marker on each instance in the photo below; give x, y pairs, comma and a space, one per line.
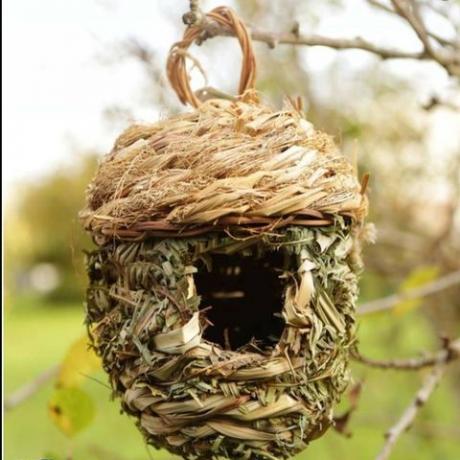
225, 163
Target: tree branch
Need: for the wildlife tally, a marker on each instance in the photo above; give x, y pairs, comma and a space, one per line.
447, 354
195, 15
407, 9
30, 388
387, 303
410, 413
441, 40
272, 39
447, 58
421, 397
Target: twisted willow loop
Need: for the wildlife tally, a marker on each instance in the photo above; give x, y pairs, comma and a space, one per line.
222, 292
176, 65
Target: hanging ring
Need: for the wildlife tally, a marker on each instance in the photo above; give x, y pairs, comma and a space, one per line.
176, 64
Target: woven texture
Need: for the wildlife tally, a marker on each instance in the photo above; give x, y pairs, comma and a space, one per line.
197, 398
222, 291
237, 178
226, 163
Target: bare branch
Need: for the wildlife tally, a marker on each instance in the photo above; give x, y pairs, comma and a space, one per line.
436, 7
387, 303
447, 354
441, 40
272, 39
195, 15
407, 9
408, 416
447, 58
381, 6
30, 388
444, 12
410, 413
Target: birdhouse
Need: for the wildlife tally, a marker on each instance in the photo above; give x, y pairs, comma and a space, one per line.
222, 290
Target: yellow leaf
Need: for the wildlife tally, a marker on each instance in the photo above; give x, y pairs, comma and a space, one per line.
416, 279
79, 361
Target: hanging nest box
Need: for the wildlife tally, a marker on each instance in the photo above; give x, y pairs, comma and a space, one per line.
222, 292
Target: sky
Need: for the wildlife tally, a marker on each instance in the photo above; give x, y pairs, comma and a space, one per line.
55, 89
57, 81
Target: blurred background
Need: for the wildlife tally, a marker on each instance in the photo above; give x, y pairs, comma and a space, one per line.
78, 72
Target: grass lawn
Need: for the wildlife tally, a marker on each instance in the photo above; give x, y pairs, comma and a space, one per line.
37, 336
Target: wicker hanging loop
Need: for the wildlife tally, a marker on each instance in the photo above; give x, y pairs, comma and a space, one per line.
176, 65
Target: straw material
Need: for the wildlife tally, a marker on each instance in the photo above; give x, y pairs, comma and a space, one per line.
231, 177
197, 398
176, 66
227, 163
222, 292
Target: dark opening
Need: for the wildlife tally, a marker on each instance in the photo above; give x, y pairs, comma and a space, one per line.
245, 296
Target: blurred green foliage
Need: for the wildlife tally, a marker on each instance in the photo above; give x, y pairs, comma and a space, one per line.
43, 227
371, 112
37, 338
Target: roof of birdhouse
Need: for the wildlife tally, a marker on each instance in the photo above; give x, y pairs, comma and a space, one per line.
227, 163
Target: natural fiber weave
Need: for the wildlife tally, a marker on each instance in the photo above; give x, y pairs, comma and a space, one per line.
192, 396
267, 181
241, 215
228, 162
176, 66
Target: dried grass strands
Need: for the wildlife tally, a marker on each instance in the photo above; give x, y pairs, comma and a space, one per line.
228, 160
194, 397
177, 209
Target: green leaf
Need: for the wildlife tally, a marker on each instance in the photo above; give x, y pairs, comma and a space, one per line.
417, 278
71, 410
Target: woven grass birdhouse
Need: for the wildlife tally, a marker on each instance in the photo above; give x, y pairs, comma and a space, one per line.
222, 291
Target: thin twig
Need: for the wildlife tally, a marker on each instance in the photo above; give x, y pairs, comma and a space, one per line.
410, 413
272, 39
412, 364
408, 416
441, 40
387, 303
195, 15
30, 388
407, 9
449, 60
444, 12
